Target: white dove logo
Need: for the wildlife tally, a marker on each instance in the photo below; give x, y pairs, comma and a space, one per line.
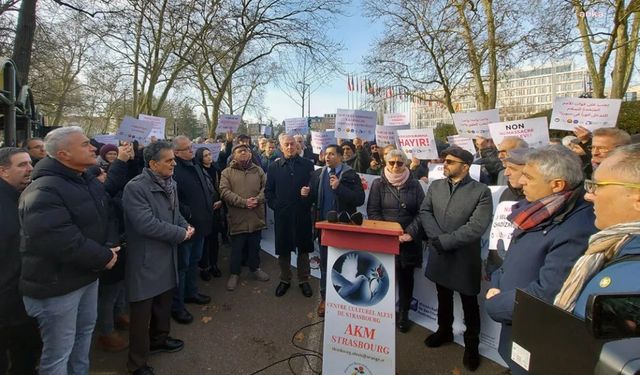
359, 289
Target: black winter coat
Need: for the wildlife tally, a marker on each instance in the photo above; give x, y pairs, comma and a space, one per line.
292, 214
11, 308
401, 205
67, 229
195, 193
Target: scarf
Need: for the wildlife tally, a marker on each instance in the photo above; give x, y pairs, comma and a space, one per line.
528, 215
243, 165
397, 179
166, 185
603, 247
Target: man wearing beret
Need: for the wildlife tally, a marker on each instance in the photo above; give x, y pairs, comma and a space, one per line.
455, 213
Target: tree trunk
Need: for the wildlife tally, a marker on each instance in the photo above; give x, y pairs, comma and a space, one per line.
25, 32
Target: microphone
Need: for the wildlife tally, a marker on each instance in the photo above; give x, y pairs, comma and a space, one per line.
332, 172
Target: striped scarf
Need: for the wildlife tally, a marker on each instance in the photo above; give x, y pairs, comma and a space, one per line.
603, 247
529, 215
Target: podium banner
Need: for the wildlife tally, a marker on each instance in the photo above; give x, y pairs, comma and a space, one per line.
360, 305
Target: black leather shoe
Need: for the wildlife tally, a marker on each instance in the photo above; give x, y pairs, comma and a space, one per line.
438, 339
215, 271
205, 275
182, 317
306, 289
471, 359
198, 299
282, 288
170, 345
146, 370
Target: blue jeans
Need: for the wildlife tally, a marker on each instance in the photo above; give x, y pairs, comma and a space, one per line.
189, 254
66, 325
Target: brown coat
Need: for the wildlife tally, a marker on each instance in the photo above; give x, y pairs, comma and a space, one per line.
236, 185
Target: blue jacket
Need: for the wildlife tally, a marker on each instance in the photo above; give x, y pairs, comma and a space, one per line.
538, 261
623, 276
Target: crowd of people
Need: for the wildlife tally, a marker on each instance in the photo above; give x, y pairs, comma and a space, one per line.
97, 237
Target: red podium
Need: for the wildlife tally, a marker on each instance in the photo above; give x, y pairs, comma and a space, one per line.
359, 327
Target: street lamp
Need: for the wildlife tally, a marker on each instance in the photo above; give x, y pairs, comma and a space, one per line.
306, 89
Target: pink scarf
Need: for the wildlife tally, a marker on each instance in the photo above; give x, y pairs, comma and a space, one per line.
397, 179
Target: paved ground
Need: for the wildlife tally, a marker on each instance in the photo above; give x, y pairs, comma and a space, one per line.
245, 331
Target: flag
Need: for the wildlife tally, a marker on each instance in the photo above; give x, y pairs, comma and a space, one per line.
348, 83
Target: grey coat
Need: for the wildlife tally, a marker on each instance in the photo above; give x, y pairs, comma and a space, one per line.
154, 227
457, 216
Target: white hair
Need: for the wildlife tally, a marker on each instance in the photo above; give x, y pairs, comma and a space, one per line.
557, 162
56, 140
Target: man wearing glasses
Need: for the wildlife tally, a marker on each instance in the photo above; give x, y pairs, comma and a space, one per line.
615, 194
603, 141
195, 194
455, 213
552, 228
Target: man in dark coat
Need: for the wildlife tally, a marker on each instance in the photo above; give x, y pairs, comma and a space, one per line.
35, 148
455, 213
196, 206
155, 227
292, 214
334, 187
65, 243
19, 338
553, 226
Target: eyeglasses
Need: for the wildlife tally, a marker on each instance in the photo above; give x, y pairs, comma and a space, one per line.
451, 161
600, 149
183, 149
590, 186
393, 163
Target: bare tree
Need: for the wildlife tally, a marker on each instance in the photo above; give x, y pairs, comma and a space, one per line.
302, 71
253, 31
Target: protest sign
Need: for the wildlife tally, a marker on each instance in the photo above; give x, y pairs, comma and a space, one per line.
107, 139
132, 129
533, 130
386, 135
352, 124
418, 143
396, 119
589, 113
298, 125
213, 147
501, 228
266, 130
320, 140
159, 124
228, 123
462, 142
475, 124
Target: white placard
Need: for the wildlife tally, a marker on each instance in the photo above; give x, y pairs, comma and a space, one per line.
590, 113
213, 147
533, 130
396, 119
159, 124
320, 140
520, 355
228, 123
359, 329
386, 135
475, 124
501, 228
462, 142
436, 171
298, 125
351, 124
107, 139
418, 143
266, 130
132, 129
